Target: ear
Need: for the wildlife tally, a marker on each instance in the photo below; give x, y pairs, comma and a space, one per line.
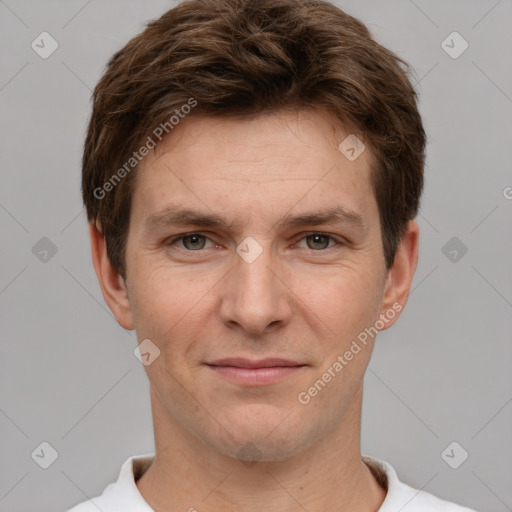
112, 284
400, 275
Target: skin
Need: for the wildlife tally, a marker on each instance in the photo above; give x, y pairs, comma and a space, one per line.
304, 299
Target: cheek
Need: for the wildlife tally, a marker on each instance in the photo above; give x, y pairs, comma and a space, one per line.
345, 302
159, 301
343, 308
172, 309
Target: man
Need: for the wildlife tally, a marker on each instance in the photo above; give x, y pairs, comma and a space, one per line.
251, 174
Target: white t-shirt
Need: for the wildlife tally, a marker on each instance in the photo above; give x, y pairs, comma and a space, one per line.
124, 496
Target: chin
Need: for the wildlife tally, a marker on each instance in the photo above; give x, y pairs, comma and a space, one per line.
250, 450
263, 433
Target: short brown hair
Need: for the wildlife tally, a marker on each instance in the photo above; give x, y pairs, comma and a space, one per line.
240, 59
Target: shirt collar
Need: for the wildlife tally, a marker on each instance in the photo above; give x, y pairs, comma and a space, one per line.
127, 495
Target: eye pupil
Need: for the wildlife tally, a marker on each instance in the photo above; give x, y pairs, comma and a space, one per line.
317, 239
194, 239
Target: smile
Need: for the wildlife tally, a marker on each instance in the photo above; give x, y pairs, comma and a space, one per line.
255, 373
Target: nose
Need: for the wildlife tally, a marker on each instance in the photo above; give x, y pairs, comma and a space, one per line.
256, 296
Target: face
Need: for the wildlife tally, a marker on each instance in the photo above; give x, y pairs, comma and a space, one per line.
254, 262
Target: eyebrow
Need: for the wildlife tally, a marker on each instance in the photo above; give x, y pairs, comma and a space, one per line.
176, 216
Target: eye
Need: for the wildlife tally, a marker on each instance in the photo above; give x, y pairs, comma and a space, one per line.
194, 242
319, 241
190, 241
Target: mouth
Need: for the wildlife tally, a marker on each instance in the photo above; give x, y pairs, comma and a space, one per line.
247, 372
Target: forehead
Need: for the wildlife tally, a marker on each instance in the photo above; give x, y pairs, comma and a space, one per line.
262, 166
292, 134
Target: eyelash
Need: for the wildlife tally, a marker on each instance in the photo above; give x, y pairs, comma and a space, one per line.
338, 242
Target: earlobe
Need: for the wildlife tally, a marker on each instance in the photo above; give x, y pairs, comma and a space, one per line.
111, 282
401, 274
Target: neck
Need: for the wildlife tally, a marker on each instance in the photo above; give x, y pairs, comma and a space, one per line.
329, 476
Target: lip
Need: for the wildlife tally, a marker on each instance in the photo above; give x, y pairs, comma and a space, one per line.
241, 362
259, 372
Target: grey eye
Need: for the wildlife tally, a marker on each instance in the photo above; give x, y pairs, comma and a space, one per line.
194, 241
318, 241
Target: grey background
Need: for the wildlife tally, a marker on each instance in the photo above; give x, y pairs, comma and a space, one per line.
442, 374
